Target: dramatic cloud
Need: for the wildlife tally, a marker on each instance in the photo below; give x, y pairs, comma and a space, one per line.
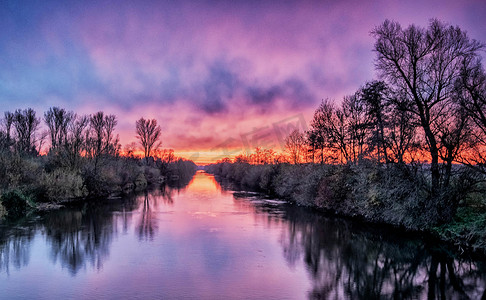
211, 71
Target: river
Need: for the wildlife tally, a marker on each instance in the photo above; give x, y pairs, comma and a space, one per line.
205, 242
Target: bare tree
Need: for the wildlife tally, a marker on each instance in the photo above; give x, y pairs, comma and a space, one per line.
328, 126
313, 143
5, 134
470, 93
9, 118
357, 126
26, 125
100, 139
75, 140
58, 120
149, 133
295, 146
129, 150
317, 136
375, 99
401, 132
424, 64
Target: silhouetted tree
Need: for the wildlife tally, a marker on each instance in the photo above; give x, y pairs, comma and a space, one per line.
58, 120
8, 121
470, 93
26, 125
149, 133
129, 150
75, 140
313, 143
322, 127
374, 97
356, 124
295, 146
401, 136
328, 126
100, 139
424, 64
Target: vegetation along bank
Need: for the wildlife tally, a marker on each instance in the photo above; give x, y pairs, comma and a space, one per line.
407, 150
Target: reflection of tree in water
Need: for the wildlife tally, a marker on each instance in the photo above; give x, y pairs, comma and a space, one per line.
148, 220
15, 246
147, 227
124, 215
77, 235
347, 262
80, 236
180, 182
165, 193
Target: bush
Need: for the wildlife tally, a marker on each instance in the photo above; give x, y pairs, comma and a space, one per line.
152, 175
63, 184
15, 203
3, 211
140, 182
390, 194
467, 228
333, 189
16, 170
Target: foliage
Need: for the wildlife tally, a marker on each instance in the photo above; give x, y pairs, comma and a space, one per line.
3, 211
467, 228
15, 203
83, 160
393, 194
62, 184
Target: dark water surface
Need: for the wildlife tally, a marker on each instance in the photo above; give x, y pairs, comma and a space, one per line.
202, 242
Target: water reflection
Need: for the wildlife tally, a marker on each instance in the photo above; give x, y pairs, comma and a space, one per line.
15, 247
191, 240
349, 260
346, 261
81, 235
148, 223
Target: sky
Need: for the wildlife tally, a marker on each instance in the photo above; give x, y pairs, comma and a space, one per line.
220, 77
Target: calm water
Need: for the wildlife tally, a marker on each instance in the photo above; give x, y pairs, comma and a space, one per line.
202, 242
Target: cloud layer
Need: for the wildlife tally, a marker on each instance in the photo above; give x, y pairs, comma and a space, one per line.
208, 71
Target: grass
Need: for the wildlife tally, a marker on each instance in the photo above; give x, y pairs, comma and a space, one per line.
468, 227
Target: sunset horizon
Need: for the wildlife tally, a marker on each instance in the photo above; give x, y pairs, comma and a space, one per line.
216, 77
242, 149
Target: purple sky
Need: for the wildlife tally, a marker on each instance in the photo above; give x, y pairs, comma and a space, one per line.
214, 74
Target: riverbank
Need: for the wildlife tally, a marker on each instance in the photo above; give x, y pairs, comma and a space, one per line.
394, 195
37, 183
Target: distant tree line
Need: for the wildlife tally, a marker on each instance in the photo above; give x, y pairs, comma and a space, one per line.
78, 156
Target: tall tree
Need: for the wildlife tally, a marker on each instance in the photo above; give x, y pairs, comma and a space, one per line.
58, 120
313, 143
75, 140
401, 131
318, 132
9, 119
328, 126
149, 133
424, 64
6, 138
470, 93
295, 146
26, 125
356, 125
375, 99
100, 137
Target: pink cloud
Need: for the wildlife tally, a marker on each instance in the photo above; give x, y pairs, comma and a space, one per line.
208, 72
